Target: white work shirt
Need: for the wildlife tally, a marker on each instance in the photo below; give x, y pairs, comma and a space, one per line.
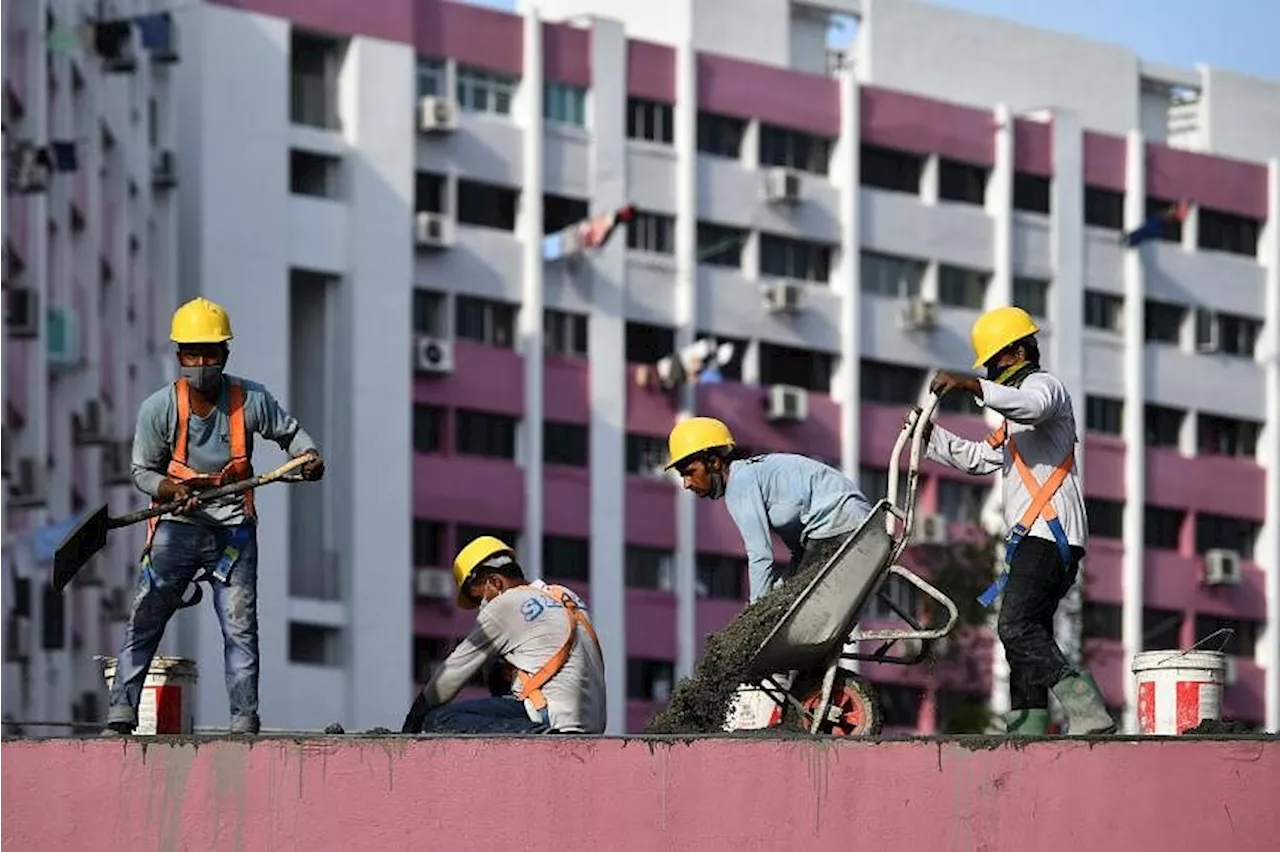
526, 628
1041, 421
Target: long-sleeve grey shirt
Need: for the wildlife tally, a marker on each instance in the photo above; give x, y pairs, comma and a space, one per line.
209, 443
1041, 421
526, 628
794, 496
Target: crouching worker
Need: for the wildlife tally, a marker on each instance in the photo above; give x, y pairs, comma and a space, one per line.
1044, 511
541, 632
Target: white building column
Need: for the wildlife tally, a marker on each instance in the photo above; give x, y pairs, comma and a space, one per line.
1133, 429
606, 341
1269, 542
529, 116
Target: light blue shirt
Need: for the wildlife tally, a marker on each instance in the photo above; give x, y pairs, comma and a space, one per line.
794, 496
209, 443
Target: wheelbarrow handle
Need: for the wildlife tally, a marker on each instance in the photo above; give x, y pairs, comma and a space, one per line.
280, 473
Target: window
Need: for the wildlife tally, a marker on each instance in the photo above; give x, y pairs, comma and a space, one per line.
431, 77
960, 403
720, 135
564, 443
567, 559
874, 481
900, 705
1106, 517
1103, 310
1161, 629
564, 333
648, 568
1218, 532
1030, 193
648, 344
780, 146
428, 193
732, 370
1227, 334
1228, 232
1227, 436
961, 182
490, 323
314, 644
564, 104
1163, 321
313, 174
889, 275
902, 594
783, 257
894, 384
652, 121
897, 171
428, 428
1163, 426
312, 94
466, 533
478, 433
1032, 295
649, 680
428, 543
1241, 642
1170, 228
484, 91
961, 502
646, 454
428, 312
720, 245
1103, 414
428, 653
782, 365
721, 577
1101, 621
487, 205
962, 288
1162, 528
652, 232
1103, 208
559, 212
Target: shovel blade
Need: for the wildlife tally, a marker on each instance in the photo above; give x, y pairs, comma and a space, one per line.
85, 539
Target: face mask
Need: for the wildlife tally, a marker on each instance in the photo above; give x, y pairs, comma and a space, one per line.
205, 379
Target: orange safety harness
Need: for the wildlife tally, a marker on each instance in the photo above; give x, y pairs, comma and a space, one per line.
531, 684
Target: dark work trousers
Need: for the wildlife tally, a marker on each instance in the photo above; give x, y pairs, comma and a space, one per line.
1038, 581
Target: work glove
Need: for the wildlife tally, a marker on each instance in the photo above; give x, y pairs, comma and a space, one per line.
417, 715
313, 469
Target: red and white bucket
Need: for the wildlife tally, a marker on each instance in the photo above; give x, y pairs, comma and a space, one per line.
1177, 690
168, 695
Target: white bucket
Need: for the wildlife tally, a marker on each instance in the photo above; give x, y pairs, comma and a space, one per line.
753, 708
168, 695
1178, 690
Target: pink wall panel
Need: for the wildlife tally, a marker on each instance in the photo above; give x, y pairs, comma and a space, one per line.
651, 624
468, 490
485, 378
1102, 470
485, 38
1105, 661
717, 533
1104, 161
1220, 485
17, 376
651, 71
566, 502
566, 54
1246, 698
1231, 186
742, 407
441, 618
648, 412
1103, 567
713, 614
909, 122
808, 102
1033, 147
566, 390
650, 516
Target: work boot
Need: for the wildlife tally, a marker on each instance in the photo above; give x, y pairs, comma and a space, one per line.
117, 728
245, 724
1082, 702
1026, 723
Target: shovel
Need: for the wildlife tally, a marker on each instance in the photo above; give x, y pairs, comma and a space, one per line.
90, 535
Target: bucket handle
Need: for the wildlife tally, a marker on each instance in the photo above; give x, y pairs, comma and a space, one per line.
1227, 630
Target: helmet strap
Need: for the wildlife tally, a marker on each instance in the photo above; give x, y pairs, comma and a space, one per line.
1011, 375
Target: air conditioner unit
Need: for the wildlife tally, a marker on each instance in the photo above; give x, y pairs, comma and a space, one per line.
117, 463
783, 296
930, 530
432, 354
433, 231
22, 313
433, 583
437, 115
782, 185
28, 487
1231, 674
164, 170
1221, 568
920, 314
787, 402
90, 426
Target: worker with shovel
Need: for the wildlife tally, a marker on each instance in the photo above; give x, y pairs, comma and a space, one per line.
1044, 509
193, 435
536, 632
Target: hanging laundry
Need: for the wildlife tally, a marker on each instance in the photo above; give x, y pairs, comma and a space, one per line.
155, 31
1152, 227
64, 156
590, 233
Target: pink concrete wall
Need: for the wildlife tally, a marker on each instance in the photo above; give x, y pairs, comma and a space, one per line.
485, 38
651, 513
1103, 473
17, 376
1033, 147
1104, 161
620, 794
485, 378
1220, 485
651, 71
468, 490
566, 395
808, 102
566, 54
649, 412
1231, 186
566, 502
909, 122
651, 625
743, 407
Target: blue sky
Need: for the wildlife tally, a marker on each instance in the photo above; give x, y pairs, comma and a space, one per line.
1236, 34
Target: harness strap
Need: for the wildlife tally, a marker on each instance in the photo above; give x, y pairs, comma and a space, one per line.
531, 684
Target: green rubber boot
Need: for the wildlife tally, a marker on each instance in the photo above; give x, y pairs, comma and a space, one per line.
1026, 723
1082, 702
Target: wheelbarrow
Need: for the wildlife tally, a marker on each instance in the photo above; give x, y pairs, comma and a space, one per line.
820, 627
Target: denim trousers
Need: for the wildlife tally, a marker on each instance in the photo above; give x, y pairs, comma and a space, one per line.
179, 551
481, 716
1038, 581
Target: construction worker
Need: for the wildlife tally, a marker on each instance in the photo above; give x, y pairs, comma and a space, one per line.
194, 434
811, 506
540, 633
1044, 510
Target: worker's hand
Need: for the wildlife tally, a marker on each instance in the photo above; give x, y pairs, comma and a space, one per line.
918, 412
313, 469
171, 491
944, 382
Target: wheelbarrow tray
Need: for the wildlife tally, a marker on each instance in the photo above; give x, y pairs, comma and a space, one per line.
819, 622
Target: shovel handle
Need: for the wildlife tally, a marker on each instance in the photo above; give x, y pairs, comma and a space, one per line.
212, 494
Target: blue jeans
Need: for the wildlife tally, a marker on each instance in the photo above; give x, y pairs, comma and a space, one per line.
481, 716
178, 552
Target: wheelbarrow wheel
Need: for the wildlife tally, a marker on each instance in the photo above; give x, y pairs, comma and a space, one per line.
854, 709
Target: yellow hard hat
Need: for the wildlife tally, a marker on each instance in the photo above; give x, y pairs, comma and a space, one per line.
998, 328
476, 553
695, 435
200, 321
